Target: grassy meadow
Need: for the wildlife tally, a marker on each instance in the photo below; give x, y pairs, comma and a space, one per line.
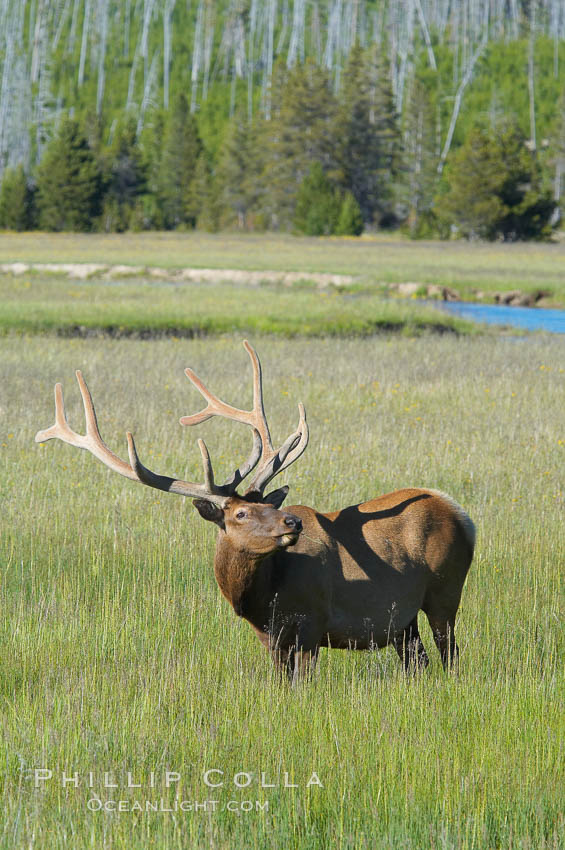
118, 653
147, 307
374, 260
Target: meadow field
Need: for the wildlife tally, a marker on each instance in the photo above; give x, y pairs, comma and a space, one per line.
119, 656
147, 307
373, 260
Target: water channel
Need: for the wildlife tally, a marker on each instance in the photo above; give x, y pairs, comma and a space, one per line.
528, 318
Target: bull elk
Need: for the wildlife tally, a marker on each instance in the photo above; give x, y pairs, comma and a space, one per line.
354, 578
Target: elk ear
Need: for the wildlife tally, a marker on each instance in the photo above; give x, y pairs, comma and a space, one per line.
277, 497
209, 511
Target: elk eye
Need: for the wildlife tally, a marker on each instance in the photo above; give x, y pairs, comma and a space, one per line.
240, 515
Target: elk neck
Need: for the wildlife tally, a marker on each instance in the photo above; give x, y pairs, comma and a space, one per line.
245, 579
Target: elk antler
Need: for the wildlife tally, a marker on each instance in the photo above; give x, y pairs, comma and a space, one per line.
271, 461
92, 442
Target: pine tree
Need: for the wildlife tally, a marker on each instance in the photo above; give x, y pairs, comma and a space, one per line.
239, 173
368, 134
151, 143
318, 204
495, 188
69, 183
125, 178
181, 148
350, 221
421, 157
300, 133
557, 157
203, 204
16, 200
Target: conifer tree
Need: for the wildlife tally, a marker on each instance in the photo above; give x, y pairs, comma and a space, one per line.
557, 157
239, 173
16, 200
69, 183
203, 204
318, 204
125, 178
181, 148
368, 135
421, 157
350, 221
495, 188
151, 142
300, 133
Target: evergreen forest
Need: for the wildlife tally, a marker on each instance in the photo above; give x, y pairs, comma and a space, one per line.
442, 118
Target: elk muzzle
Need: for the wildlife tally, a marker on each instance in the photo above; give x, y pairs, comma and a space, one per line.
292, 528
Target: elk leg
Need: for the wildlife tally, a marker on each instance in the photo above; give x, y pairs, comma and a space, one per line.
280, 657
410, 648
281, 660
295, 664
443, 630
303, 666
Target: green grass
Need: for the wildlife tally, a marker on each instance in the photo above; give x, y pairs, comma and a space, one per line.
375, 260
118, 653
51, 304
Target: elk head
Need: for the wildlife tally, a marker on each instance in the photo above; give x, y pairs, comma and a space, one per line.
253, 522
257, 528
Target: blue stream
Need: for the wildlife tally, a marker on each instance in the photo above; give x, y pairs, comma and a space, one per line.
529, 318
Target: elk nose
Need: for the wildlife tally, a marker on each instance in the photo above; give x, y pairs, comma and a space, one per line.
293, 522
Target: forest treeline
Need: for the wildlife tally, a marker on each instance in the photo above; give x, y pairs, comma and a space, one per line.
331, 116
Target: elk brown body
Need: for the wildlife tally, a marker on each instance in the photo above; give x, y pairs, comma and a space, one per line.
352, 579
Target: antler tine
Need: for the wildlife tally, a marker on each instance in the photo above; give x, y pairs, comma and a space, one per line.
208, 490
262, 445
271, 461
89, 412
92, 442
216, 407
61, 425
243, 471
290, 451
300, 446
258, 406
207, 464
